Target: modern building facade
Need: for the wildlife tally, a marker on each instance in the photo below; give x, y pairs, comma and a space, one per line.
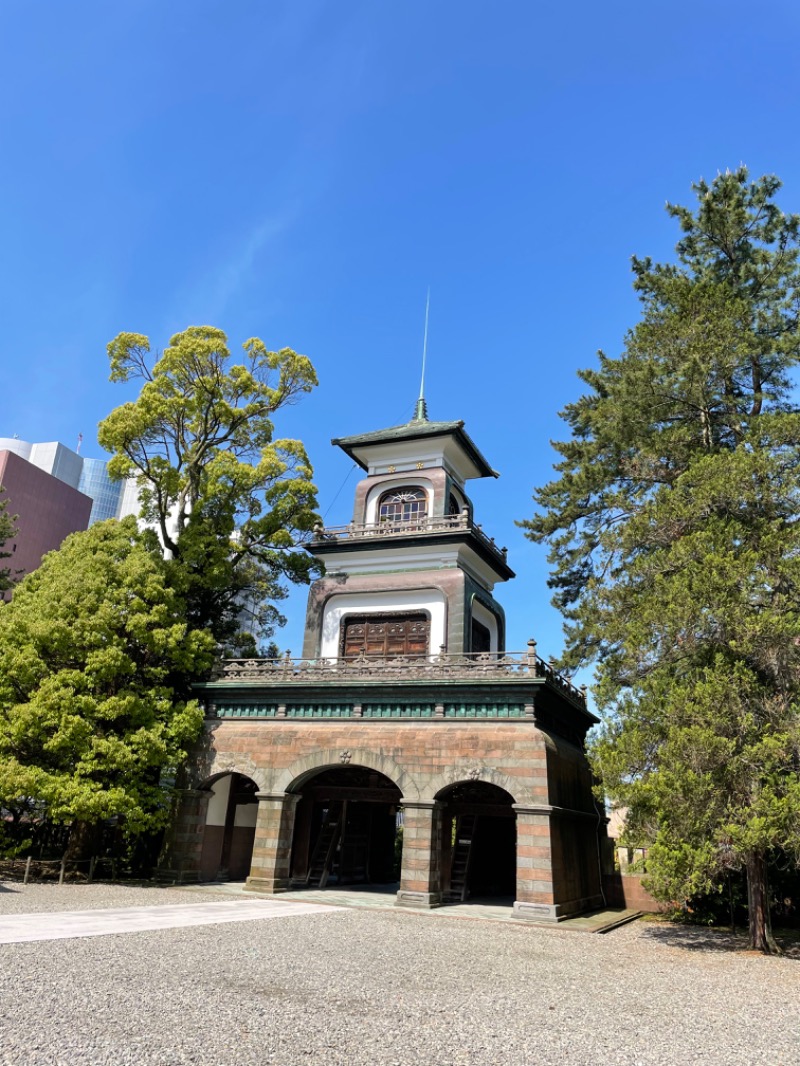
405, 700
110, 499
48, 509
54, 458
50, 487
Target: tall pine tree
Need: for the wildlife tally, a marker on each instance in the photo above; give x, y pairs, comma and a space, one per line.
674, 536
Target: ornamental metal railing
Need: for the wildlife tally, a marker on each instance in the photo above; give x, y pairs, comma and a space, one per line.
408, 528
469, 666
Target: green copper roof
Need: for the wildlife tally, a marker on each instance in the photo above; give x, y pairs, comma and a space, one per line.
417, 429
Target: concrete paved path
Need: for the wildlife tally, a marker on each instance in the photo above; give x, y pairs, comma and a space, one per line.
65, 925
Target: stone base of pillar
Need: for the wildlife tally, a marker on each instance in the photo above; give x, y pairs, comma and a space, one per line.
421, 900
556, 912
165, 876
269, 885
537, 912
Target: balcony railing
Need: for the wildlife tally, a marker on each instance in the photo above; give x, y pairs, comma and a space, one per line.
471, 666
412, 527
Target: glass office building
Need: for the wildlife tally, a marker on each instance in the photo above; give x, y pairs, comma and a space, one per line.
106, 494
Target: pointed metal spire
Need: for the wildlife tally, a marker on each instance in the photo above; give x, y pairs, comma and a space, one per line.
421, 409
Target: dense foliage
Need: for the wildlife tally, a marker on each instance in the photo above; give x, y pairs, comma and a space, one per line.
673, 526
95, 664
231, 504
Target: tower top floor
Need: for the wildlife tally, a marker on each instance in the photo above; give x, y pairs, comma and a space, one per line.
417, 445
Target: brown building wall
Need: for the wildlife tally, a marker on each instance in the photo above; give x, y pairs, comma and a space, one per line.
420, 759
48, 510
626, 890
557, 848
436, 476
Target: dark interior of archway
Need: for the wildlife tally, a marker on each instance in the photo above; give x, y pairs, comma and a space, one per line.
346, 829
479, 842
228, 847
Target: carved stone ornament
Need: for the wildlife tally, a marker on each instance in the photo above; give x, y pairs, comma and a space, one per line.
474, 774
345, 757
516, 665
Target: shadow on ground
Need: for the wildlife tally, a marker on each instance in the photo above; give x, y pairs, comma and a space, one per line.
694, 938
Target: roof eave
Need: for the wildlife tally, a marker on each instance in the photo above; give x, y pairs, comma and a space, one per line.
349, 445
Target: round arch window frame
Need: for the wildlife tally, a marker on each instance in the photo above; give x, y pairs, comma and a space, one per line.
406, 519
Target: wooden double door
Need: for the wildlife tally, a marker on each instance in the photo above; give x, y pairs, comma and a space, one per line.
388, 636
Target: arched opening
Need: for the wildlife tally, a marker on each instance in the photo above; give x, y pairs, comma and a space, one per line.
346, 829
484, 628
479, 842
406, 507
230, 828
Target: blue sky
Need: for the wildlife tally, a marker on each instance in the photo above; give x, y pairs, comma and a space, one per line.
303, 171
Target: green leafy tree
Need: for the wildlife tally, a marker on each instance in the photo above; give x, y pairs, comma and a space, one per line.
95, 665
7, 533
232, 505
673, 528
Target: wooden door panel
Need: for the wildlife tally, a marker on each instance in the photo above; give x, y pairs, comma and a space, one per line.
386, 635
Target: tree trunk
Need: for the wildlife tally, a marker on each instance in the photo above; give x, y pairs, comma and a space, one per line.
758, 916
83, 840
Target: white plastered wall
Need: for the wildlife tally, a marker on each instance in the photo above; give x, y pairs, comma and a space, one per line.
486, 618
218, 804
338, 607
245, 815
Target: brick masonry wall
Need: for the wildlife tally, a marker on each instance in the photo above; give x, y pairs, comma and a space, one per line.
181, 854
421, 758
625, 890
556, 852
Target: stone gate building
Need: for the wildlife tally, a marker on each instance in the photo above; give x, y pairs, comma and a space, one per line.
405, 708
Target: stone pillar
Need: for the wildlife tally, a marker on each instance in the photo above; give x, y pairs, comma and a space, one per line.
420, 873
535, 891
272, 848
183, 843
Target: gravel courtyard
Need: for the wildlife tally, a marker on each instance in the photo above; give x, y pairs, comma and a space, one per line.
378, 987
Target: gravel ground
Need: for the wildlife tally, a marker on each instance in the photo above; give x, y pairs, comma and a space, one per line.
385, 988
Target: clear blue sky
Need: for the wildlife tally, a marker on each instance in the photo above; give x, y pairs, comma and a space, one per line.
302, 172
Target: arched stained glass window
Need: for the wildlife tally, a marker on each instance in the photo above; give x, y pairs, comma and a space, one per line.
406, 504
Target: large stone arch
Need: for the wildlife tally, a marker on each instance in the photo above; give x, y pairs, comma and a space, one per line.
227, 811
226, 763
294, 776
513, 786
